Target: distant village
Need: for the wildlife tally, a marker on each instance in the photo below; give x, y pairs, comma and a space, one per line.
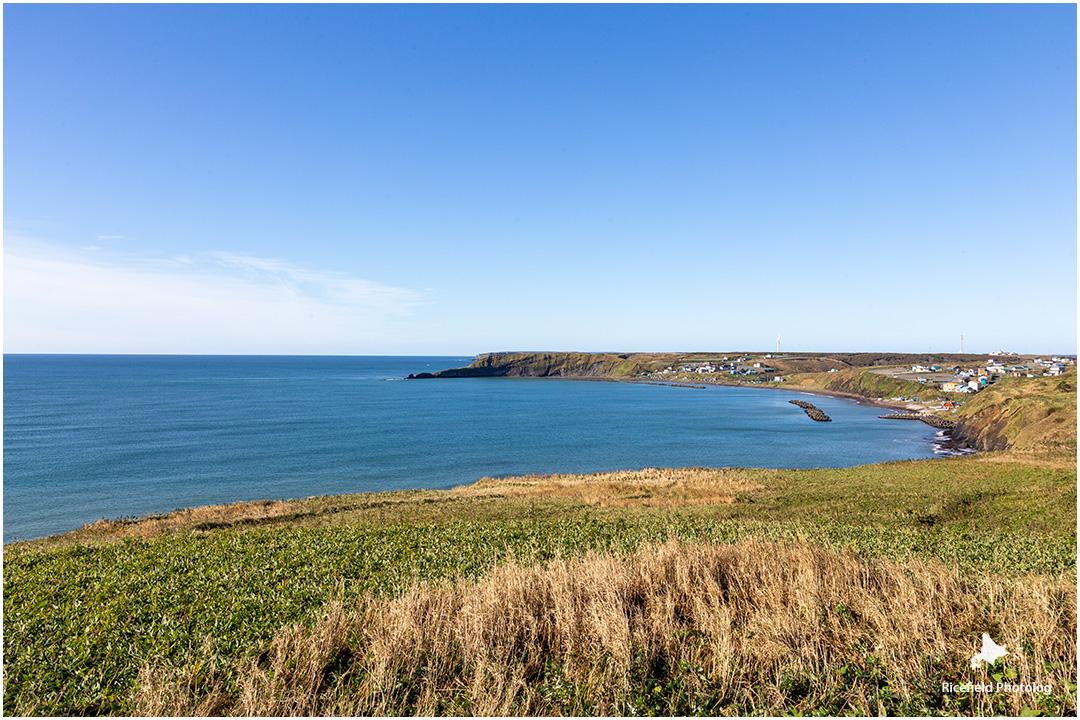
973, 379
731, 368
955, 379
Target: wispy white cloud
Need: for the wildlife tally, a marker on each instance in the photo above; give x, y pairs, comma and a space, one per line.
60, 300
333, 287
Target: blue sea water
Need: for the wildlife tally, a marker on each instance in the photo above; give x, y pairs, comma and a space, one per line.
93, 436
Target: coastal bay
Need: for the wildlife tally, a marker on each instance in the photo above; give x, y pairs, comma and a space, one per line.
90, 437
616, 583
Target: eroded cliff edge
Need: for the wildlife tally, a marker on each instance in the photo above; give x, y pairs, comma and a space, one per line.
1021, 413
558, 364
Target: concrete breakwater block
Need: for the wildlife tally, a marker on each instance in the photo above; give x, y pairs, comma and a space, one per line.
812, 411
931, 420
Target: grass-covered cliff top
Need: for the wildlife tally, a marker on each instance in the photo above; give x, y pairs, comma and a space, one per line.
629, 365
563, 364
999, 492
337, 604
1024, 413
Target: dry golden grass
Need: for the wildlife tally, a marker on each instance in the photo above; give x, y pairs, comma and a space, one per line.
1041, 457
209, 515
651, 487
775, 494
178, 521
753, 628
257, 512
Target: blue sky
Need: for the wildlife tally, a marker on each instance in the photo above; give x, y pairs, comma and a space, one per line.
460, 179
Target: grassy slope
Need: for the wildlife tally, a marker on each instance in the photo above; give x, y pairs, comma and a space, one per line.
564, 364
84, 614
675, 628
858, 381
1024, 413
186, 612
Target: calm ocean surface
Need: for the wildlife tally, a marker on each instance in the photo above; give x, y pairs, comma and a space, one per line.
87, 437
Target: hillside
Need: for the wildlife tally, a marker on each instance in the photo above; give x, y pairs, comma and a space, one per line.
565, 364
857, 381
1022, 413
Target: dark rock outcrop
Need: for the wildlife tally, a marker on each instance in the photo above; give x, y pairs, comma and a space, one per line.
985, 431
812, 411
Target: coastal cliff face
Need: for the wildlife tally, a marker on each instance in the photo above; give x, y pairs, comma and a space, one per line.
563, 364
1021, 413
984, 431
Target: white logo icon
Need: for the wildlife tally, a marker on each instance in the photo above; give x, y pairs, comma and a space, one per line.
990, 652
